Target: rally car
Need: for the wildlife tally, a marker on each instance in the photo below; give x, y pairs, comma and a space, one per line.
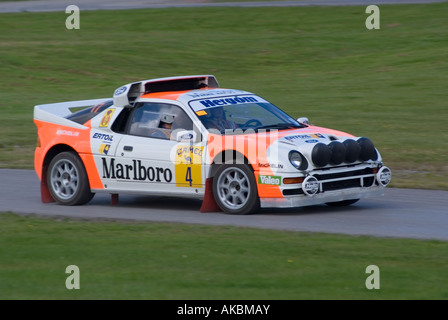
185, 136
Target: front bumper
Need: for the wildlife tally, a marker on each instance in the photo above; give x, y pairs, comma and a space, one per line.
333, 186
321, 198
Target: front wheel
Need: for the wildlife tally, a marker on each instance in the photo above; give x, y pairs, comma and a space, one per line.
67, 180
235, 189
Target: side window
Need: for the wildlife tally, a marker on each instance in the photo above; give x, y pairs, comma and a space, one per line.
157, 120
85, 115
121, 121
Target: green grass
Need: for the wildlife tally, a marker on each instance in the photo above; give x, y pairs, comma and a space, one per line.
321, 62
155, 261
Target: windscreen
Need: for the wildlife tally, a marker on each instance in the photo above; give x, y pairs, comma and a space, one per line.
241, 112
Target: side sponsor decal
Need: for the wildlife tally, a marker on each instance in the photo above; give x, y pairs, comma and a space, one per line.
106, 118
102, 136
305, 136
270, 165
134, 171
104, 148
271, 180
187, 166
67, 133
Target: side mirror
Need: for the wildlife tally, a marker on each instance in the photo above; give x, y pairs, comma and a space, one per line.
303, 120
186, 136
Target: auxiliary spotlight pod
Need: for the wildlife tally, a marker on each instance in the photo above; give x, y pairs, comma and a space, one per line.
349, 151
384, 175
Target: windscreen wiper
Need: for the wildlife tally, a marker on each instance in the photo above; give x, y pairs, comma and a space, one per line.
281, 125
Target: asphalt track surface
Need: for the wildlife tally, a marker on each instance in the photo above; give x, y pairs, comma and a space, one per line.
400, 213
61, 5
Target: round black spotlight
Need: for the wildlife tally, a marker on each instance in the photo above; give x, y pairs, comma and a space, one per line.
337, 152
352, 150
368, 151
321, 154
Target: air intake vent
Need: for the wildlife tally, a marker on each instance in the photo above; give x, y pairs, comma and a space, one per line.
181, 84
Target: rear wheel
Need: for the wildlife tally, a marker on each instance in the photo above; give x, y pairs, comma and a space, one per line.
235, 189
67, 180
342, 203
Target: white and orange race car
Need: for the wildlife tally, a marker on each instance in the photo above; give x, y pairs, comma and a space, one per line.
187, 137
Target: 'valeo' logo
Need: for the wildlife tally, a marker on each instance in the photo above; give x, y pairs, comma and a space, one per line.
272, 180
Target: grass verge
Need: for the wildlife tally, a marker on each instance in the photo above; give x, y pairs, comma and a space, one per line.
156, 261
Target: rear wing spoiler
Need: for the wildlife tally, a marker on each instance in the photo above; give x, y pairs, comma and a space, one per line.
57, 112
126, 95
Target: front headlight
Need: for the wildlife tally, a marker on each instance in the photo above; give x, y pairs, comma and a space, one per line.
297, 160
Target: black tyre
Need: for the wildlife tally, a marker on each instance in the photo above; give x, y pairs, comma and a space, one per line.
235, 189
67, 180
343, 203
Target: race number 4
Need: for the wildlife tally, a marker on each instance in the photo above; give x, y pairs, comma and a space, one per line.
188, 176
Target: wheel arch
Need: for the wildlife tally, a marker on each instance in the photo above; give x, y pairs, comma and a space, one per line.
228, 157
51, 153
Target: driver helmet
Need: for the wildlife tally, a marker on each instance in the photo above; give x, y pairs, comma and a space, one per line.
166, 119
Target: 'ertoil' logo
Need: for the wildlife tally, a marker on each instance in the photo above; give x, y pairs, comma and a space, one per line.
271, 180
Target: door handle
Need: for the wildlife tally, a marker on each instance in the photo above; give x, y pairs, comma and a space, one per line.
128, 148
